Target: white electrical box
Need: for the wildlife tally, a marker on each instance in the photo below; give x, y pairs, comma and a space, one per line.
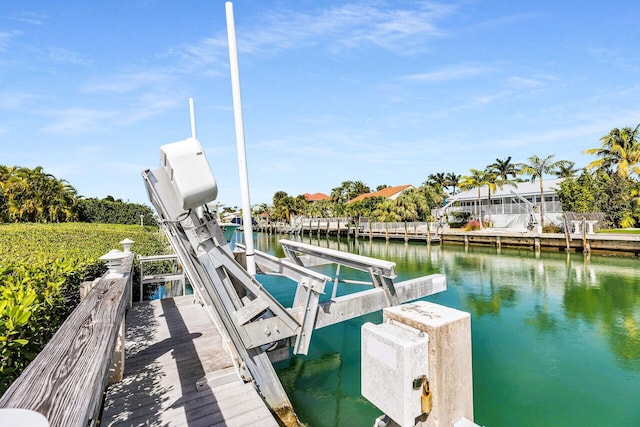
393, 356
189, 173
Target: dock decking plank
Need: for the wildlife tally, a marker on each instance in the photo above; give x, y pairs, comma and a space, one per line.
170, 345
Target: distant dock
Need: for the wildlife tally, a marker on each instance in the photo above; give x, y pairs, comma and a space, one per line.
602, 243
586, 242
344, 227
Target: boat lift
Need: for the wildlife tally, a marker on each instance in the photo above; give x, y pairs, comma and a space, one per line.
255, 322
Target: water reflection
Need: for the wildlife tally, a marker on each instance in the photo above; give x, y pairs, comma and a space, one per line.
552, 334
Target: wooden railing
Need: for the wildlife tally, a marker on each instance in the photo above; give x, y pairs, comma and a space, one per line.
66, 381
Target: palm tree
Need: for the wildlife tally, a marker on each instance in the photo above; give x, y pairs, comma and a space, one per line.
411, 205
348, 190
492, 181
477, 179
452, 181
620, 150
504, 168
538, 168
566, 170
437, 180
498, 176
387, 211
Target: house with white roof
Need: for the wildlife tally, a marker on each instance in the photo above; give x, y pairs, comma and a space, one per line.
512, 206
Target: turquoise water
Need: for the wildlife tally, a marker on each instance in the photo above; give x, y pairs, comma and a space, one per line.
556, 337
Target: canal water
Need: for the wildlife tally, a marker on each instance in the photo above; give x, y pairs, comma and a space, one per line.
556, 337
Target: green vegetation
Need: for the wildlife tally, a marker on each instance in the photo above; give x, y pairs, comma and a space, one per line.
620, 152
41, 268
110, 211
32, 195
620, 231
413, 204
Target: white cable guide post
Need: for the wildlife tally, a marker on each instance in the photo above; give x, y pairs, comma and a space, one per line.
192, 115
242, 156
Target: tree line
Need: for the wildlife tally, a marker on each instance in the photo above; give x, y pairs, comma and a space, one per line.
609, 184
32, 195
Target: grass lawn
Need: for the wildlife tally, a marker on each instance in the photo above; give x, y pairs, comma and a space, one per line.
621, 231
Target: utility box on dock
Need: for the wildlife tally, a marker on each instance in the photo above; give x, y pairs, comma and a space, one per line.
394, 356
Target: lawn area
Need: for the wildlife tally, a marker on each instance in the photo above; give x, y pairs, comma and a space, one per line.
621, 231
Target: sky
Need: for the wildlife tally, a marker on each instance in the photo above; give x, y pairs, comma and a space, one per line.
383, 92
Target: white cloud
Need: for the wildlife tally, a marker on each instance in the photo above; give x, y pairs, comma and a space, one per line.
29, 18
78, 120
6, 37
127, 82
207, 55
61, 55
148, 105
455, 72
15, 100
524, 83
501, 21
349, 26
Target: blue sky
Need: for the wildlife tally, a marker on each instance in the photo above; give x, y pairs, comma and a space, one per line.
385, 92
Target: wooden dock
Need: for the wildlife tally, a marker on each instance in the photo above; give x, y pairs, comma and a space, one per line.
585, 241
603, 243
170, 345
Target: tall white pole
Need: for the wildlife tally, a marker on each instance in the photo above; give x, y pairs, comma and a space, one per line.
242, 156
192, 114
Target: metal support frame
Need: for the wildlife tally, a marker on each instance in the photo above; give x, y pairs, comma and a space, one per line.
254, 320
207, 259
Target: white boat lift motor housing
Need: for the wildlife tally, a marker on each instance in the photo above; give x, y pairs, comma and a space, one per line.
189, 172
393, 356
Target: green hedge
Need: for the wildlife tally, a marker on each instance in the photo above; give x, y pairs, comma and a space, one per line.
107, 211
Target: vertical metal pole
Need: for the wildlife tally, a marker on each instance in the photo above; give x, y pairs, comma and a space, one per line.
242, 157
141, 276
192, 115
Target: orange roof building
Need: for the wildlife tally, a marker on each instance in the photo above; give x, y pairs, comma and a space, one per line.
390, 193
315, 197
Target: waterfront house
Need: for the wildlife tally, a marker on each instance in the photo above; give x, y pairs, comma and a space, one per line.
512, 206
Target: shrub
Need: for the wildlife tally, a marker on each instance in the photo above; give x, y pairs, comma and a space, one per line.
551, 228
472, 225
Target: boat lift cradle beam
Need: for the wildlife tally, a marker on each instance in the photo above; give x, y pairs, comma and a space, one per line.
252, 317
339, 309
381, 272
